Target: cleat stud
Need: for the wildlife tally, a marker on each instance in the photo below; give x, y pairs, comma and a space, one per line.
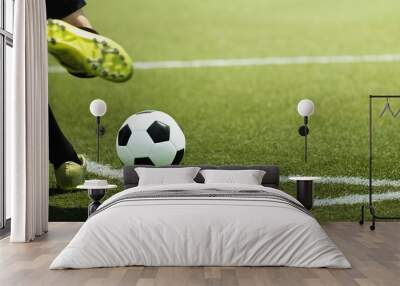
115, 51
100, 60
94, 66
52, 40
89, 61
104, 51
104, 73
122, 57
104, 43
62, 28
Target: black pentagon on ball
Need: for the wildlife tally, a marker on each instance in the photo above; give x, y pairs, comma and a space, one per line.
178, 157
143, 161
123, 135
158, 131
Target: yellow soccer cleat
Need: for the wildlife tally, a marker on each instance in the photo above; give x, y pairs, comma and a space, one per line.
87, 54
71, 174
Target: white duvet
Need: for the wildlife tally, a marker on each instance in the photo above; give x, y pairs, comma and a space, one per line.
200, 231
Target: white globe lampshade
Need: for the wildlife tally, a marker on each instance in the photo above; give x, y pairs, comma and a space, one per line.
305, 107
98, 107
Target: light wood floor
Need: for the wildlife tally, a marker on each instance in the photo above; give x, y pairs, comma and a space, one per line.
375, 257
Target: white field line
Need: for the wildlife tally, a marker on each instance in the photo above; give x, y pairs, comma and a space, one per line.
107, 171
352, 181
356, 199
104, 170
300, 60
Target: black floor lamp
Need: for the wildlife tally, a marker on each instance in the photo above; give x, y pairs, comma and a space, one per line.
98, 108
305, 108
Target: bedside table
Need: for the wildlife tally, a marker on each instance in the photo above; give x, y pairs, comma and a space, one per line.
305, 190
96, 190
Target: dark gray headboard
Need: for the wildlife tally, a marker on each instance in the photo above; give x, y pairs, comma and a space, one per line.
271, 177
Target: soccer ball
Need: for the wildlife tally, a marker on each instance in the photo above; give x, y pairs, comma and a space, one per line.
150, 138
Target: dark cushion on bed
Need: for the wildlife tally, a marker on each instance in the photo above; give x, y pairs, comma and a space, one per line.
270, 179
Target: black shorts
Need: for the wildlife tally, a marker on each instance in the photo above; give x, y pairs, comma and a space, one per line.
58, 9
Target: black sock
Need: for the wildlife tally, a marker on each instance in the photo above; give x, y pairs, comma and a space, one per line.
60, 149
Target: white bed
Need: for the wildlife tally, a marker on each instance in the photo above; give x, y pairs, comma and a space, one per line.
202, 231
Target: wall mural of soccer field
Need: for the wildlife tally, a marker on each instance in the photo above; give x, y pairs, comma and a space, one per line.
231, 73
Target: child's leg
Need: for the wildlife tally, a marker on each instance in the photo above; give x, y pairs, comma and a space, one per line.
78, 19
60, 148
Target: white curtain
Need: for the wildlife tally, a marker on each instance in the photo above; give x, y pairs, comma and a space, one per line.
27, 124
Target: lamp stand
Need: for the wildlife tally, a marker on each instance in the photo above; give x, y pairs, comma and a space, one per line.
305, 138
98, 137
303, 131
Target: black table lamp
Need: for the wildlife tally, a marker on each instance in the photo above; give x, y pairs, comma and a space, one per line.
305, 108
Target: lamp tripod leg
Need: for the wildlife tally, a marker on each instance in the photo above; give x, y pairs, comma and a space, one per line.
361, 222
305, 147
305, 138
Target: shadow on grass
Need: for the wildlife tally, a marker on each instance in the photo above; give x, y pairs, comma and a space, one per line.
67, 214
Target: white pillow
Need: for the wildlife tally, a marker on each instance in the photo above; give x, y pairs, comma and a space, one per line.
248, 177
165, 176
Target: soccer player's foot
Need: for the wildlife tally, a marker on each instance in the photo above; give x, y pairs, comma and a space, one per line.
71, 174
87, 54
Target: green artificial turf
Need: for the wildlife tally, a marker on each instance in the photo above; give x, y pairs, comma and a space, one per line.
246, 115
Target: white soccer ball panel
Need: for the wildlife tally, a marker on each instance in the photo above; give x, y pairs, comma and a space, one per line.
177, 138
162, 154
125, 155
129, 121
143, 121
140, 144
163, 117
